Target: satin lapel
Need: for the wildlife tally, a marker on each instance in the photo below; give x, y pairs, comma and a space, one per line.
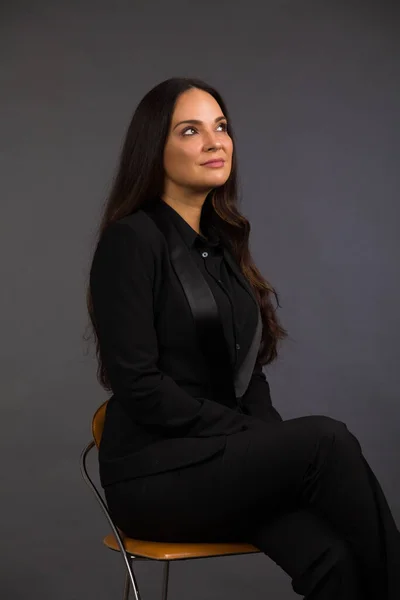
204, 309
239, 275
244, 370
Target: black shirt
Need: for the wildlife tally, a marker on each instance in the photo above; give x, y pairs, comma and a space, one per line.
237, 311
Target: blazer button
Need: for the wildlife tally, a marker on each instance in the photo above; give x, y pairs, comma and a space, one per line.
237, 346
204, 254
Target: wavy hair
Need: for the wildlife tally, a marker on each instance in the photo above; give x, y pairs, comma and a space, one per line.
140, 178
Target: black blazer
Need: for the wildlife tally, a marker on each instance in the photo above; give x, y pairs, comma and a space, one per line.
163, 346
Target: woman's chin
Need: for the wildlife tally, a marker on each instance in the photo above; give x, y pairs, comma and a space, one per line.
215, 181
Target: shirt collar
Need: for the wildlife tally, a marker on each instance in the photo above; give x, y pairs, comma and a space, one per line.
191, 238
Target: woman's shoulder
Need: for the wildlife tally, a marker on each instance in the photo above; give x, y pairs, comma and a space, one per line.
131, 240
140, 223
140, 228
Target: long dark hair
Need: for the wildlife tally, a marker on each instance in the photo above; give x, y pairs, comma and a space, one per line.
140, 179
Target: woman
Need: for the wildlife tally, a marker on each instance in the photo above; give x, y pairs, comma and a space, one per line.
192, 448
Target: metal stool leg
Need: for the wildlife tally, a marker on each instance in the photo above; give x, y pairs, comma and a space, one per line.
127, 586
125, 556
165, 581
132, 579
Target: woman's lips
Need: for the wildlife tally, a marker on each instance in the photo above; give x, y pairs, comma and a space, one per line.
214, 164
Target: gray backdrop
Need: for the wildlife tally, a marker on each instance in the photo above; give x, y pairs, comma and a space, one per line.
313, 88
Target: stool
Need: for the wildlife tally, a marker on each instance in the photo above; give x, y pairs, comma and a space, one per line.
132, 549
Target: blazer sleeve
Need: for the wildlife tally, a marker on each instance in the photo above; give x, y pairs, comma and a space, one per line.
256, 401
121, 284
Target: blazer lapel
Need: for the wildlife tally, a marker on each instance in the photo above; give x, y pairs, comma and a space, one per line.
228, 384
245, 368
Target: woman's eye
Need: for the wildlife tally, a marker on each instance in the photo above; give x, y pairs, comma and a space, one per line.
185, 131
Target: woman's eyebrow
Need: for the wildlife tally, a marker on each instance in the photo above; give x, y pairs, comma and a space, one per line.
197, 122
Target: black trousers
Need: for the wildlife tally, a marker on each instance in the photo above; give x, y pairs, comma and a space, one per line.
300, 490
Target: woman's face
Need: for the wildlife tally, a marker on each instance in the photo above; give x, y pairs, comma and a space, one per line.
200, 138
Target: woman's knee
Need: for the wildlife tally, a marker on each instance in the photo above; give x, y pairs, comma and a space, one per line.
335, 430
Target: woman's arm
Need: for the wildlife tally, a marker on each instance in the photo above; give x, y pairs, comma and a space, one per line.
121, 282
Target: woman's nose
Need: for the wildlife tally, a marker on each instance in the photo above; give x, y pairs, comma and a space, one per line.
212, 141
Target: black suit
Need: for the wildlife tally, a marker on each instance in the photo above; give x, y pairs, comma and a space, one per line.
193, 449
167, 410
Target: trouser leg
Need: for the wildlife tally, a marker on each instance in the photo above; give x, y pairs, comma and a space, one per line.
315, 463
319, 563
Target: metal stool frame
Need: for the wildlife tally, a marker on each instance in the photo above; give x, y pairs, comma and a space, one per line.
130, 579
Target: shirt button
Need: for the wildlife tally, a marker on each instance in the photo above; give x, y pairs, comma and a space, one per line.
204, 254
237, 346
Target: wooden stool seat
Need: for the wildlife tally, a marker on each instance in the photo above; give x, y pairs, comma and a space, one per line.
131, 548
177, 551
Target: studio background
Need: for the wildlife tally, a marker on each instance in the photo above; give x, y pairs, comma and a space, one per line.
313, 90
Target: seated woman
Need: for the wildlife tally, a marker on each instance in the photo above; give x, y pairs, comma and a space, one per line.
193, 449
